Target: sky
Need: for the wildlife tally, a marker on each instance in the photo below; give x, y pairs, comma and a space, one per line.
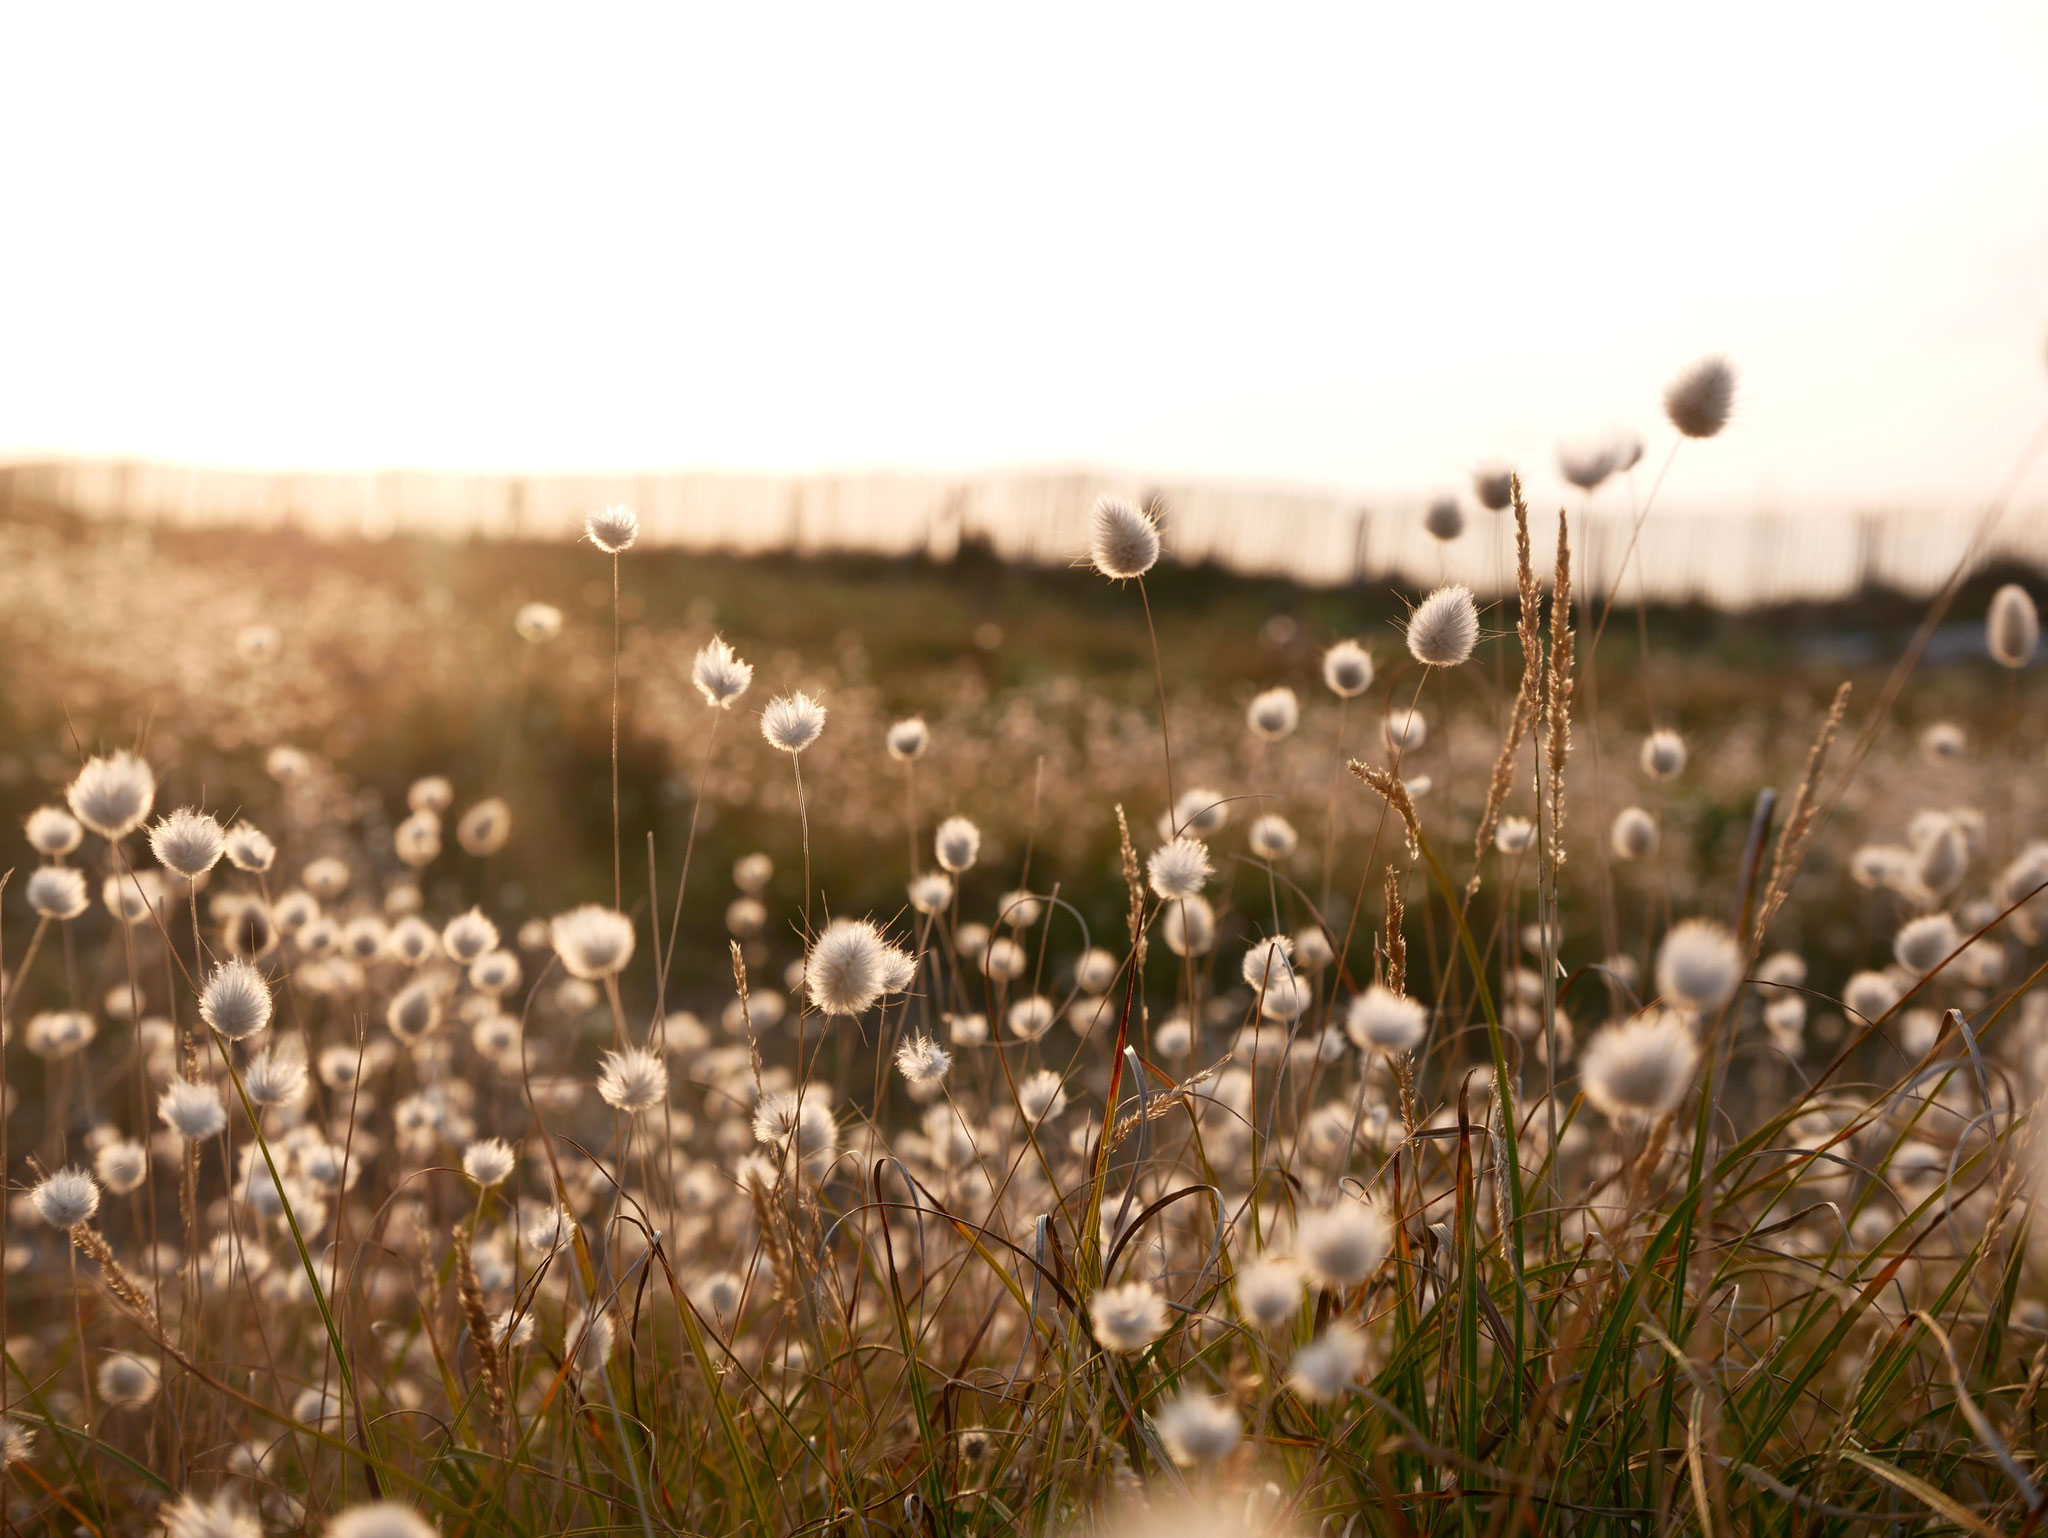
1363, 247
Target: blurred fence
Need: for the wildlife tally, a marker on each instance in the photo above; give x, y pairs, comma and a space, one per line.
1727, 559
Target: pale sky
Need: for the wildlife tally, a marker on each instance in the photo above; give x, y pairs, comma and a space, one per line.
1359, 246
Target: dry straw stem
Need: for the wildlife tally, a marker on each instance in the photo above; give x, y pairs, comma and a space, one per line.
1530, 598
1557, 694
93, 1244
1802, 818
1396, 942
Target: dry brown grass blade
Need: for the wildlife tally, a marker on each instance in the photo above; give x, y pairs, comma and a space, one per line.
482, 1333
1396, 941
1801, 820
1395, 794
1166, 1101
1557, 695
1527, 695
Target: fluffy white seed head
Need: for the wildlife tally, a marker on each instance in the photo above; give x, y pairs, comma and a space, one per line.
1268, 960
276, 1078
1444, 520
1095, 970
957, 844
536, 623
1269, 1292
1272, 837
201, 1516
1031, 1017
1943, 743
249, 848
1197, 1430
1699, 400
1494, 486
1381, 1020
188, 842
485, 828
193, 1111
1634, 835
2012, 627
236, 1000
1924, 943
1342, 1244
847, 969
1200, 811
1328, 1365
1041, 1096
922, 1062
1641, 1069
1699, 965
127, 1382
1514, 835
719, 674
53, 832
1663, 755
121, 1166
1444, 627
388, 1519
60, 1033
1347, 669
66, 1198
489, 1161
908, 739
931, 893
1406, 731
1586, 465
634, 1081
133, 896
468, 936
112, 795
1870, 995
1180, 869
612, 529
1273, 714
1189, 927
1128, 1317
1123, 541
593, 942
58, 892
792, 722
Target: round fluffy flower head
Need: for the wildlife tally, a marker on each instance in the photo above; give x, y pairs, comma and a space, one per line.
633, 1081
957, 844
66, 1199
908, 739
1268, 960
127, 1382
193, 1111
1329, 1364
58, 892
1699, 964
1128, 1317
1515, 835
931, 893
612, 529
537, 622
488, 1161
719, 674
275, 1078
249, 848
1269, 1292
1924, 943
53, 832
188, 842
1445, 520
1195, 1429
1663, 755
2012, 627
60, 1033
1273, 714
122, 1166
1347, 669
1272, 837
1640, 1070
468, 936
1180, 869
387, 1519
112, 795
1494, 486
1381, 1020
208, 1516
485, 828
1406, 731
847, 969
1634, 835
1343, 1244
236, 1000
593, 942
1444, 627
1189, 927
792, 722
1123, 541
922, 1062
1041, 1096
1586, 465
1699, 400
